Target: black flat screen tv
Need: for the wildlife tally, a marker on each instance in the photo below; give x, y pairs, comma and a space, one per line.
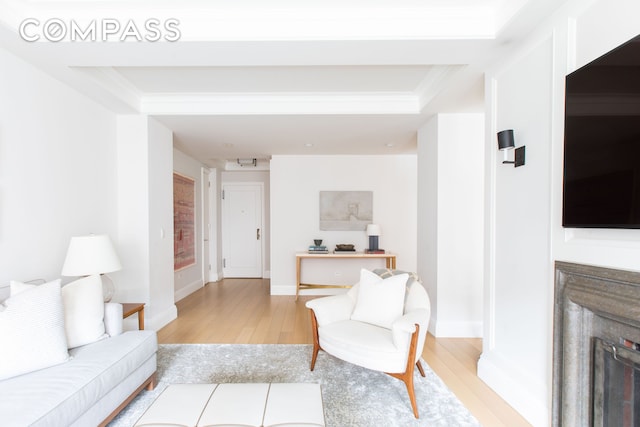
601, 186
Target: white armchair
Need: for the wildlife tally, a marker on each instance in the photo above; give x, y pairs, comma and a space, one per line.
380, 324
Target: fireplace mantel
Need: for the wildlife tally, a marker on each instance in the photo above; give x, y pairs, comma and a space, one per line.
589, 302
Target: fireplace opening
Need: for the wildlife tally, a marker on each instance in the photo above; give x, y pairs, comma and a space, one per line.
616, 384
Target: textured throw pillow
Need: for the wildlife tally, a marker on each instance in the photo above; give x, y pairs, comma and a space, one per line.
83, 311
32, 331
380, 301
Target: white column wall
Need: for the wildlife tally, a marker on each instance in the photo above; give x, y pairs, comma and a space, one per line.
162, 309
428, 213
145, 217
450, 151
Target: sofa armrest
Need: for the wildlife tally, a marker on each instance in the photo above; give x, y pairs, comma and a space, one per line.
405, 326
331, 309
113, 318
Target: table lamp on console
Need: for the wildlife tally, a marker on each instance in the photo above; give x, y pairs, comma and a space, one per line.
373, 231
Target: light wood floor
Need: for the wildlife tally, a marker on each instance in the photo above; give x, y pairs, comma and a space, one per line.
242, 311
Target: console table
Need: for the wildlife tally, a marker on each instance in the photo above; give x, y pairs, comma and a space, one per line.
389, 258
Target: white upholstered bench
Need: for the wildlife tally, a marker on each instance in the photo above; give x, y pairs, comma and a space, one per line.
245, 404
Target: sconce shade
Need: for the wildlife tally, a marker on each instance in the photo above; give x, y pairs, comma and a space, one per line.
505, 140
373, 230
93, 254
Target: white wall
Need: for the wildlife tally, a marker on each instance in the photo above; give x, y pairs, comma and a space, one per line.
190, 279
524, 205
68, 167
57, 171
162, 309
145, 217
295, 185
450, 153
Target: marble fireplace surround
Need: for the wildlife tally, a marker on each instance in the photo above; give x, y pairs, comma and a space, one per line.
589, 302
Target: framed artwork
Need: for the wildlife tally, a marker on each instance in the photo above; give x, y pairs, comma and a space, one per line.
346, 210
184, 221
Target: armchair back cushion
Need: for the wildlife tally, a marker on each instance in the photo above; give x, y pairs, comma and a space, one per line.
379, 301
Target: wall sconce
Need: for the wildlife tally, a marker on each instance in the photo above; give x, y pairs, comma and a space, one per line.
506, 143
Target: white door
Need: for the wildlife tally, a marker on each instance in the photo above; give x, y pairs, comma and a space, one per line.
242, 230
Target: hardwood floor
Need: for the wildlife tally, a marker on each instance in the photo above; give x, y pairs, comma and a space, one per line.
242, 311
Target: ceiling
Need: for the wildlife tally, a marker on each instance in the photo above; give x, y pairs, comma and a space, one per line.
252, 79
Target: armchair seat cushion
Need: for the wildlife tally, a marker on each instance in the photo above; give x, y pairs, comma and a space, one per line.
363, 344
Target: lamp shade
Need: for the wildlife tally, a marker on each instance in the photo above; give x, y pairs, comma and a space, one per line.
93, 254
373, 230
505, 140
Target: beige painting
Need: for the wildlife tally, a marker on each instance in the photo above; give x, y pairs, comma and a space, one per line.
346, 210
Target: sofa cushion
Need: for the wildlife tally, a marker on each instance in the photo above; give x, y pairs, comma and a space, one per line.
83, 311
32, 333
57, 396
379, 301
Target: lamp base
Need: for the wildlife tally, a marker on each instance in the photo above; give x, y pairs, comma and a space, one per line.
373, 243
108, 290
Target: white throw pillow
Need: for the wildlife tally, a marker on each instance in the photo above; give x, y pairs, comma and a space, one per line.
17, 287
32, 331
380, 301
83, 311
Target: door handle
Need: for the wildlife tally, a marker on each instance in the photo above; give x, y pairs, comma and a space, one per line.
257, 234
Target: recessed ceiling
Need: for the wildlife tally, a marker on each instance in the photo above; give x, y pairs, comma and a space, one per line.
287, 79
253, 78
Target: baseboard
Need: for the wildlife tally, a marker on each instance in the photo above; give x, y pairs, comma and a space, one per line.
525, 394
440, 329
187, 290
160, 320
283, 290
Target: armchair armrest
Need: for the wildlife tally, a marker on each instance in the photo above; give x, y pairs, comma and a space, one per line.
331, 309
113, 318
405, 326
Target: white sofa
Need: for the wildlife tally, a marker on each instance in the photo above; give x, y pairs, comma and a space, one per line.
91, 387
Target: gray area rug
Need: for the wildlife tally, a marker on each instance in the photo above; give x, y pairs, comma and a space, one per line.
353, 396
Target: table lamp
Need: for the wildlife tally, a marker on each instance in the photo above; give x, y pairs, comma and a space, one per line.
373, 231
93, 254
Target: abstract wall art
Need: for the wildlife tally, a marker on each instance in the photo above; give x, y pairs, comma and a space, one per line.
184, 238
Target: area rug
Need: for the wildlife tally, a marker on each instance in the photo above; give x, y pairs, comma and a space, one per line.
353, 396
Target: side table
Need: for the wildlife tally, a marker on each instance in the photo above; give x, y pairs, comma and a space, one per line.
130, 308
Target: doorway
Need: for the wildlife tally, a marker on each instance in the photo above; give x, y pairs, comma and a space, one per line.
242, 229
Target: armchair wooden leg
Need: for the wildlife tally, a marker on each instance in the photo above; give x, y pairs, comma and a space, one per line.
407, 375
419, 365
316, 340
